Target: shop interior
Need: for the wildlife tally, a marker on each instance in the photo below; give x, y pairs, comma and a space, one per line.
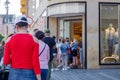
71, 28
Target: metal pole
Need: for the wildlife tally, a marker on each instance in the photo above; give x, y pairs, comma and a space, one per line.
7, 7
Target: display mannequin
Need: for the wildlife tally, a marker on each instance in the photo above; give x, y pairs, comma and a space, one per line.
109, 38
116, 43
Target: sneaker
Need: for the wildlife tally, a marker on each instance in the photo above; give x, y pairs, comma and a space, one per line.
57, 69
63, 69
68, 67
52, 69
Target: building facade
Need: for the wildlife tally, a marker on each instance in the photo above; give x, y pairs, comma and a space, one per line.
96, 22
7, 28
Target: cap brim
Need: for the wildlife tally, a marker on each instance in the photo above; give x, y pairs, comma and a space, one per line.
30, 20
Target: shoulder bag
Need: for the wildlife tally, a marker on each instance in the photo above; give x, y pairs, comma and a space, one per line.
42, 50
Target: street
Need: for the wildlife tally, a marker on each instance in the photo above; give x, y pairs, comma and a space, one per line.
86, 74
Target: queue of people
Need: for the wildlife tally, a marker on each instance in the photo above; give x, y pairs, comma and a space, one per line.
68, 53
31, 56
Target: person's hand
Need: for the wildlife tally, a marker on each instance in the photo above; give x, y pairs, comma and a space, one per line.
38, 77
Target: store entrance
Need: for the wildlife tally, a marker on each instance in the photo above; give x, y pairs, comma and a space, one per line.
73, 28
76, 30
76, 33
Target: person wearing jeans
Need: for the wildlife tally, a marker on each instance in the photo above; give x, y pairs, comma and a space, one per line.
21, 52
44, 55
64, 55
81, 53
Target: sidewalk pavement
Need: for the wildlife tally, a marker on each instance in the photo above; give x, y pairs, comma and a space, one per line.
86, 74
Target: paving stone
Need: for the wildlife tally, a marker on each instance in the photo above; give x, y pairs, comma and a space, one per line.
86, 74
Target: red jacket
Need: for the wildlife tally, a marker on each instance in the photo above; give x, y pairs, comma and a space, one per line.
21, 51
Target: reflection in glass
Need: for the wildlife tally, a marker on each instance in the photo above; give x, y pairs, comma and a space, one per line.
109, 36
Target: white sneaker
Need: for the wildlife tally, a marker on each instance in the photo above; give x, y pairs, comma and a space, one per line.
63, 69
68, 67
52, 69
56, 69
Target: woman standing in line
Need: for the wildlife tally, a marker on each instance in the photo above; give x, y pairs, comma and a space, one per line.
21, 51
44, 55
81, 53
64, 55
74, 46
59, 51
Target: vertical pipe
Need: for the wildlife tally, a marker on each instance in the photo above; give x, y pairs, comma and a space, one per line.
6, 6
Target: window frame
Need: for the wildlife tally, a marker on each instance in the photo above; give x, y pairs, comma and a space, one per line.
100, 63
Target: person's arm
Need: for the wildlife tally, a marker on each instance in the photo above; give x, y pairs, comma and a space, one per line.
36, 65
35, 60
7, 53
54, 44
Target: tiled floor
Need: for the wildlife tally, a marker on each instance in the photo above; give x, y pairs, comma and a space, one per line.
85, 74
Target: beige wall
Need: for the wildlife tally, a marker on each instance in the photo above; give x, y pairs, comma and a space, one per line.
92, 35
53, 26
30, 8
59, 1
40, 10
37, 12
92, 27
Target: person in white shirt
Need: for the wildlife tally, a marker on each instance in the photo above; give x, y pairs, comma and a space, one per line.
59, 51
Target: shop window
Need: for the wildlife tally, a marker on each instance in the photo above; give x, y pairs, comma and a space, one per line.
109, 33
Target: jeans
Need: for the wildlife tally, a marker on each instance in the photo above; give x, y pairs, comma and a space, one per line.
81, 55
44, 73
64, 60
21, 74
116, 46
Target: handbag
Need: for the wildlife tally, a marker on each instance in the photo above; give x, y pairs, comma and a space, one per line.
4, 73
68, 50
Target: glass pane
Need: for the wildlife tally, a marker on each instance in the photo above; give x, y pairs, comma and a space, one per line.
66, 29
109, 28
61, 29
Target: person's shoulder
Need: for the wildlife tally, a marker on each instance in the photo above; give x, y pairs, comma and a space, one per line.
35, 39
8, 39
47, 39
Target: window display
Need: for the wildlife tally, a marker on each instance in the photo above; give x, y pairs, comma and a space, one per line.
109, 33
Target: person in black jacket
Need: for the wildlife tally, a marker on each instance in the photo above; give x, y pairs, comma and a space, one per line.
51, 43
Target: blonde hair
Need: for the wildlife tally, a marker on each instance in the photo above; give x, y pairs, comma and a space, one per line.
75, 40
